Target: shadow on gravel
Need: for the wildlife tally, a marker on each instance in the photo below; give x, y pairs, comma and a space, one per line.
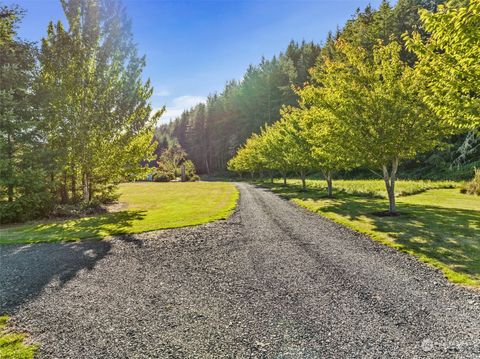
26, 270
445, 236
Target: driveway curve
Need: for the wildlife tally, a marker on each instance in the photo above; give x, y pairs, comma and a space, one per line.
273, 281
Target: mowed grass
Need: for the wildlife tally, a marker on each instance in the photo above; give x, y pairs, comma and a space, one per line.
376, 188
439, 226
12, 344
149, 206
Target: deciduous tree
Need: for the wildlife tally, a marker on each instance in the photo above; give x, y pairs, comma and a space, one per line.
376, 100
95, 105
449, 62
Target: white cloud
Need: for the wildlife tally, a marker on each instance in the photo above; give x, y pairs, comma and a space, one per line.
180, 104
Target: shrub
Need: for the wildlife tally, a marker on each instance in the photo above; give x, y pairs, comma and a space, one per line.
32, 198
190, 171
472, 187
162, 176
106, 193
10, 212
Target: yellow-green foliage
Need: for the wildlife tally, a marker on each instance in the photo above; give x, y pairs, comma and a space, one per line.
249, 157
439, 226
472, 187
448, 62
149, 206
376, 188
12, 344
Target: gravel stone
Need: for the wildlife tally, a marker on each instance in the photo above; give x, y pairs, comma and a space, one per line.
273, 281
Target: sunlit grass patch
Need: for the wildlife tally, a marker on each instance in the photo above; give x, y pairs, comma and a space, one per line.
375, 188
12, 344
149, 206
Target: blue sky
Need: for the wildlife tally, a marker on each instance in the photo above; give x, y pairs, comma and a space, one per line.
193, 47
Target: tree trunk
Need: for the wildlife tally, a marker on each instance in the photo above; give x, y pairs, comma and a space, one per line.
91, 188
10, 187
304, 183
207, 166
184, 176
52, 184
73, 183
328, 177
86, 188
271, 176
63, 188
284, 174
390, 179
329, 184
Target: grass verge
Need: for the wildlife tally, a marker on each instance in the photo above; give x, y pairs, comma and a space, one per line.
150, 206
12, 344
439, 226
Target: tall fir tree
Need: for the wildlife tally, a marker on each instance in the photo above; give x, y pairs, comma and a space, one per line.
22, 181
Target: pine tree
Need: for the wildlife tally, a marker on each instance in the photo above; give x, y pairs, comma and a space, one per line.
22, 181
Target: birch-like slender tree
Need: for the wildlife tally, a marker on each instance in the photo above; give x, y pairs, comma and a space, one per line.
95, 104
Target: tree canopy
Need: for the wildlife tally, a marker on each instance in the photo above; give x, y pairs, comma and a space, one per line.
74, 115
367, 105
448, 61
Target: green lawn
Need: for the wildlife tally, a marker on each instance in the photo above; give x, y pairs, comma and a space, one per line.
376, 188
150, 206
12, 345
439, 226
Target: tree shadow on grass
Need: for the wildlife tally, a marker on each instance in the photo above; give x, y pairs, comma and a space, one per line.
73, 229
446, 236
25, 270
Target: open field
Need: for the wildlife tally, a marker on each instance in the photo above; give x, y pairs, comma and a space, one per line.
149, 206
439, 226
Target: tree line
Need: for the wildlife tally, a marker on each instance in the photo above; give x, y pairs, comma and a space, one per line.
376, 102
74, 113
212, 132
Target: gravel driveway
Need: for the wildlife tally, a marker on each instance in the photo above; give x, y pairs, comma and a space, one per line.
273, 281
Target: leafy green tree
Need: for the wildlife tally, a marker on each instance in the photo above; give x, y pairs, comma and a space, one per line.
250, 157
95, 106
326, 139
297, 150
377, 103
273, 151
448, 62
170, 162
